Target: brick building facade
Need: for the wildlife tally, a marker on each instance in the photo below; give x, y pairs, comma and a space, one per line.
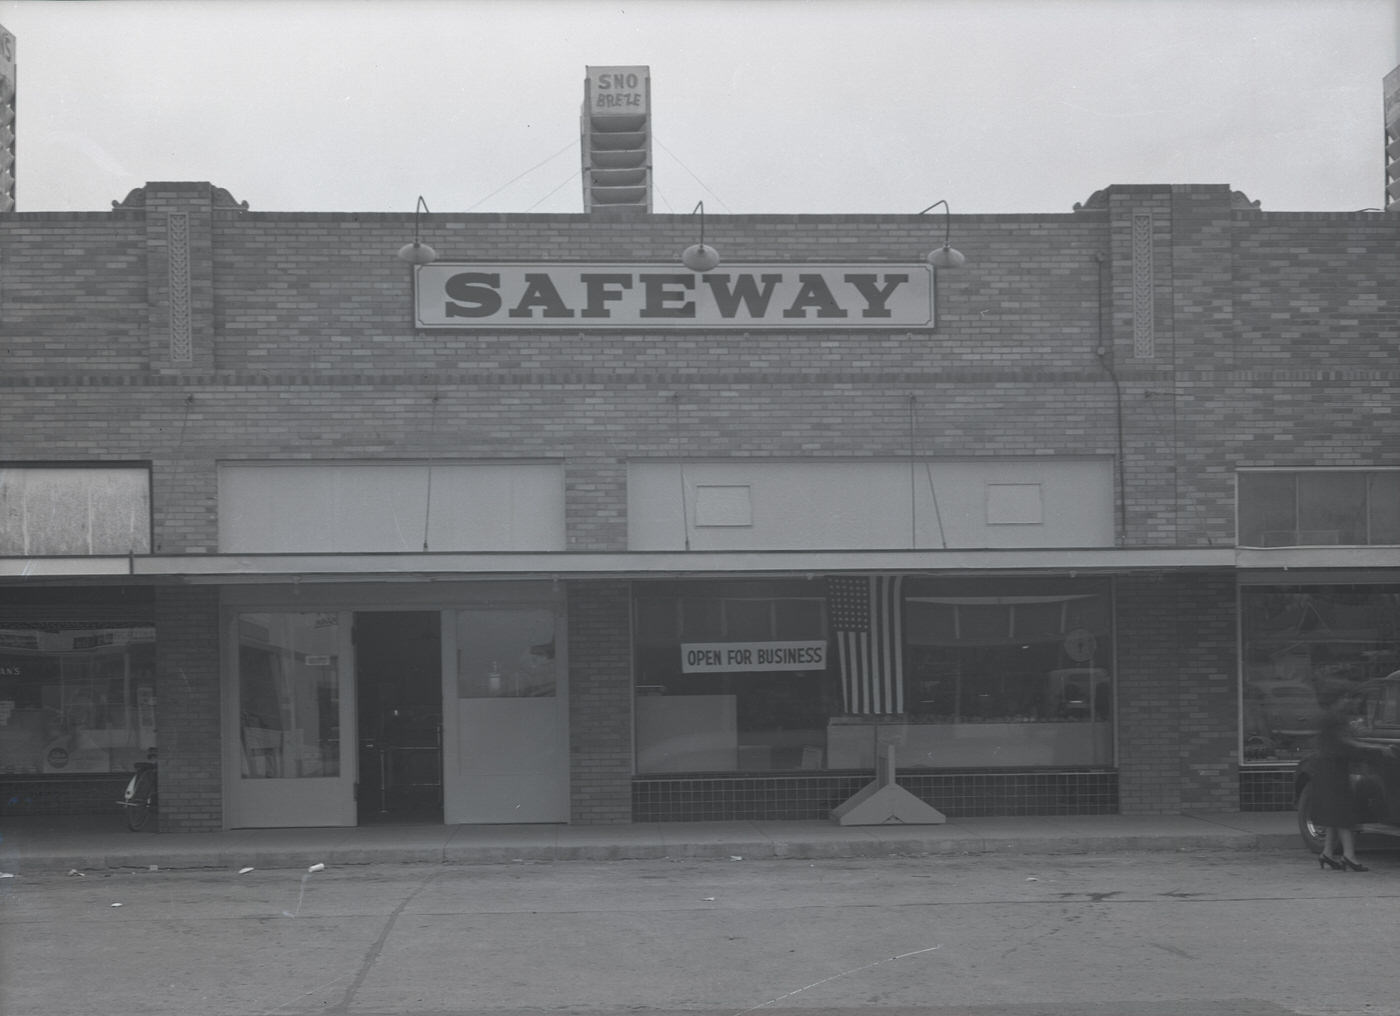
1081, 409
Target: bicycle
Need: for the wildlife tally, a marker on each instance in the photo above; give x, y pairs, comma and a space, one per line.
139, 800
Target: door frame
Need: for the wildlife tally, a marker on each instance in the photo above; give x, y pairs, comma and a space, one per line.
313, 801
547, 789
347, 598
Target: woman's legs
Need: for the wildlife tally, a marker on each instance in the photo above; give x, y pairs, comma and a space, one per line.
1348, 844
1329, 842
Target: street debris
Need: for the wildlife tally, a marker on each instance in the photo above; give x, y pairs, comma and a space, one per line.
317, 867
244, 871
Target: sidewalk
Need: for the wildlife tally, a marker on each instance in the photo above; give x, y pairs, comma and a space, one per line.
42, 846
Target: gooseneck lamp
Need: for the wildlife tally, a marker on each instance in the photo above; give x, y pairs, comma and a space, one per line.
417, 252
946, 256
697, 257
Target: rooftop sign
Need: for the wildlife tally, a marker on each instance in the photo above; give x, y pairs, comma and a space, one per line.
787, 297
617, 91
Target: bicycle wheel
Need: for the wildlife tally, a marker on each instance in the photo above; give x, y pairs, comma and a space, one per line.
138, 809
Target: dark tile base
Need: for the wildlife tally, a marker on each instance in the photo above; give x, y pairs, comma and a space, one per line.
727, 798
1266, 789
97, 794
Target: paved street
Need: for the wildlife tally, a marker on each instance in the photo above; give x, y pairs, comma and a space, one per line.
1140, 934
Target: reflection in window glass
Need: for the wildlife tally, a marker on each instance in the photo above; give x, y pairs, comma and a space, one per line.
753, 678
1331, 508
759, 689
1319, 508
505, 652
1021, 656
289, 695
747, 619
76, 697
1303, 645
1383, 508
1267, 510
1021, 668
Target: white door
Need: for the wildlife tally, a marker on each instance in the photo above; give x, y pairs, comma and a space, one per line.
505, 730
290, 719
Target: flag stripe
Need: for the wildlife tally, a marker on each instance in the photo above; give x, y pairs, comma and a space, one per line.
865, 615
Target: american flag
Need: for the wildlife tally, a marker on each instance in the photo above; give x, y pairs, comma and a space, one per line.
865, 615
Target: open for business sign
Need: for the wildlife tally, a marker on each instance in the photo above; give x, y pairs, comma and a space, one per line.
740, 297
731, 657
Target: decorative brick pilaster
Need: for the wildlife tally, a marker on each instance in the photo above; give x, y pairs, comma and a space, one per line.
1177, 711
187, 709
600, 703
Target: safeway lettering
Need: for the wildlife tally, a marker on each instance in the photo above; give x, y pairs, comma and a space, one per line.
631, 296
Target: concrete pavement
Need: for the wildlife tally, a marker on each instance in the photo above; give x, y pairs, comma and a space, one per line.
32, 845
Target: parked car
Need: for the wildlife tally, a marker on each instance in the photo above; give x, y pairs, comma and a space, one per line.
1375, 775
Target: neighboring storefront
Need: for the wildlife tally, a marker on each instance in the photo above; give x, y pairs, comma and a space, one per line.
1087, 525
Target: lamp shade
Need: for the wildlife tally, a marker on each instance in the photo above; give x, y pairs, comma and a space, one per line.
417, 253
700, 258
947, 257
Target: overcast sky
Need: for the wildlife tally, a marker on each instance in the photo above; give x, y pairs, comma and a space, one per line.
758, 106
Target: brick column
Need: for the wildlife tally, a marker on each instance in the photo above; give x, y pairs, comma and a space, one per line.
187, 709
1177, 712
600, 703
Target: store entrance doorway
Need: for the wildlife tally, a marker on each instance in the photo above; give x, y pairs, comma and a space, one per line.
398, 682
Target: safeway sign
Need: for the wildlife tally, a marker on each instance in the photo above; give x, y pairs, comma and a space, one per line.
495, 296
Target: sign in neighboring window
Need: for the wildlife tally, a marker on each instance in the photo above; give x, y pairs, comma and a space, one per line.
743, 296
75, 510
734, 657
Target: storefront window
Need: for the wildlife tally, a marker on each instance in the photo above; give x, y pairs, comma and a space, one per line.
76, 698
732, 676
289, 684
1007, 672
833, 673
1319, 507
1303, 645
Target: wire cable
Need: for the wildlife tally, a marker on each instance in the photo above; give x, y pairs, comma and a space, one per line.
683, 166
523, 173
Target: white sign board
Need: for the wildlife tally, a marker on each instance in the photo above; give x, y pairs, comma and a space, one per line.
614, 91
574, 296
729, 657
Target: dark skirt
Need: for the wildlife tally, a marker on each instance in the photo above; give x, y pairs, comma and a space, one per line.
1331, 801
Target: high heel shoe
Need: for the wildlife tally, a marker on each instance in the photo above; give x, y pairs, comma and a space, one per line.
1323, 861
1350, 865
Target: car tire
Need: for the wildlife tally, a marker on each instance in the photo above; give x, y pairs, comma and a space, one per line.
1314, 837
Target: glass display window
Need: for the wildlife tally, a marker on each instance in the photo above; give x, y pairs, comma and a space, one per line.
1303, 646
828, 673
75, 697
289, 695
732, 676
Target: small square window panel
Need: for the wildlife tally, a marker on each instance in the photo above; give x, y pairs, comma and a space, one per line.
726, 505
1014, 504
